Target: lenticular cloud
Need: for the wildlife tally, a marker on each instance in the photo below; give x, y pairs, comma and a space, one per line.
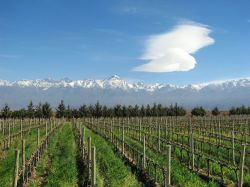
172, 51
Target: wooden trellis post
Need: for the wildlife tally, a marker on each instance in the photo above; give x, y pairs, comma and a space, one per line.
81, 143
46, 128
111, 131
38, 137
140, 130
144, 153
83, 135
159, 137
15, 176
219, 133
93, 168
89, 156
123, 139
4, 127
168, 167
192, 151
9, 139
21, 129
233, 150
30, 124
38, 143
191, 144
242, 162
23, 156
166, 128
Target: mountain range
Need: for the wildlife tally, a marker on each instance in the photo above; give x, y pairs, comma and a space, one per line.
115, 90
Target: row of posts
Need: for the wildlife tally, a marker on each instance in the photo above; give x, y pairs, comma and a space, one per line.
191, 144
21, 132
192, 155
167, 178
91, 157
17, 152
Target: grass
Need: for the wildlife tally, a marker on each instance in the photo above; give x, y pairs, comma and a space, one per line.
219, 153
13, 129
58, 166
7, 164
111, 169
180, 176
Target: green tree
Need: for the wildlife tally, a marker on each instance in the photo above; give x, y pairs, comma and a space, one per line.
180, 111
98, 110
60, 111
46, 110
75, 113
39, 111
84, 111
198, 111
215, 111
111, 112
105, 111
136, 111
118, 111
22, 113
142, 111
154, 110
130, 110
91, 111
125, 112
148, 110
232, 111
6, 112
171, 111
31, 110
68, 112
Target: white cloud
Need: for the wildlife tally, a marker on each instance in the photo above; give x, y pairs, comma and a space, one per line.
172, 51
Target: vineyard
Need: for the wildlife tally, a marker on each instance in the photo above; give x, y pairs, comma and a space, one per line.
148, 151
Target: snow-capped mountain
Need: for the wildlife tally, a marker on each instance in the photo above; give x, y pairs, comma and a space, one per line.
114, 82
115, 90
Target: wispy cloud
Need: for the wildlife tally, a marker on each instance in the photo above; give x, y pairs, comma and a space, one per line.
109, 31
107, 56
173, 50
142, 8
58, 49
7, 56
130, 10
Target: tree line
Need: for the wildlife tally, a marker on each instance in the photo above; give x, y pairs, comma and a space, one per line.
243, 110
44, 110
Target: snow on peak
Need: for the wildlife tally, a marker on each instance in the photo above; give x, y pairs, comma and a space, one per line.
115, 77
223, 84
115, 82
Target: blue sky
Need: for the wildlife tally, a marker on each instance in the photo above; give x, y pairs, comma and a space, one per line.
97, 39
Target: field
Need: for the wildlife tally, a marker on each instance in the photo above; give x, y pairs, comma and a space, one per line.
152, 151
